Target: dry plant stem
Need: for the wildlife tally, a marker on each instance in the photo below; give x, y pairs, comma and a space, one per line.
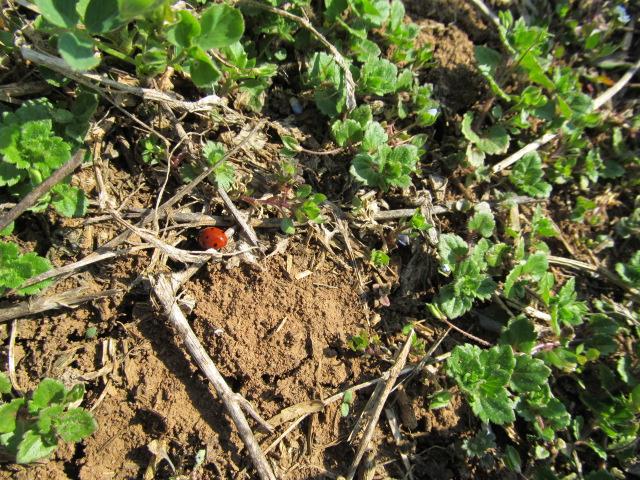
60, 66
165, 294
350, 85
248, 230
34, 195
12, 359
585, 267
441, 209
68, 299
480, 5
547, 137
378, 400
465, 333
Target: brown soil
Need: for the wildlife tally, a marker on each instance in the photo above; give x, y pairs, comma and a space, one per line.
457, 83
277, 340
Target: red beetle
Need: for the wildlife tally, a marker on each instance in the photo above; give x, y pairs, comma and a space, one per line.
212, 237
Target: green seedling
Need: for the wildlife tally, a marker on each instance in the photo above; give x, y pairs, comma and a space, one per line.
31, 427
379, 258
347, 401
16, 268
31, 151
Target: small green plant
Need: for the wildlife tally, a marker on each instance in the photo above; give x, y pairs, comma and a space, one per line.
379, 258
152, 151
16, 268
31, 151
630, 271
223, 172
499, 383
31, 428
440, 399
362, 341
347, 401
527, 176
469, 270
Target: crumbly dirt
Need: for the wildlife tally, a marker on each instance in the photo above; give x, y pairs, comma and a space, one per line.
277, 340
457, 83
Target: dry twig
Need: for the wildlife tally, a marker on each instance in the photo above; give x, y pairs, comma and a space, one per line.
376, 404
68, 299
60, 66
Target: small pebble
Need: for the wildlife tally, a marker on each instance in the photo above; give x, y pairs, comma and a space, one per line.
296, 106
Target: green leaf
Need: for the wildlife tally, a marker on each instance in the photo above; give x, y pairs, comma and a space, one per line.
183, 33
512, 459
102, 16
373, 12
362, 115
495, 141
48, 392
204, 73
75, 424
346, 132
440, 399
61, 13
489, 62
529, 374
519, 333
483, 223
379, 258
10, 175
374, 137
5, 384
496, 408
130, 9
76, 393
8, 413
452, 249
78, 51
496, 254
541, 226
287, 226
32, 447
378, 76
220, 25
68, 201
452, 304
527, 176
478, 445
333, 8
47, 416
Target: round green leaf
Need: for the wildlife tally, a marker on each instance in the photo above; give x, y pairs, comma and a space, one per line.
75, 424
133, 8
77, 51
221, 25
203, 71
61, 13
102, 16
286, 225
32, 448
